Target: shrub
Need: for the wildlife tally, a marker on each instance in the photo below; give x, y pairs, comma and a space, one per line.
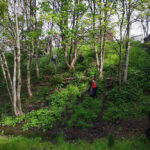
46, 117
85, 113
129, 93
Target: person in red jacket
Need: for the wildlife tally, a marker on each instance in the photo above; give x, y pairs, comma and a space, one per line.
94, 87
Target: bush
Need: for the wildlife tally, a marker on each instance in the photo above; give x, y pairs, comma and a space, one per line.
125, 103
46, 117
85, 113
54, 80
129, 93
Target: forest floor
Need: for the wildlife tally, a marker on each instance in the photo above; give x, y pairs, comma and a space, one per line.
100, 129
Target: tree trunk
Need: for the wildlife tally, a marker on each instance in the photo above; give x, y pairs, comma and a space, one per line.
7, 70
70, 54
126, 60
50, 47
97, 58
121, 45
18, 60
30, 56
100, 76
103, 38
37, 64
75, 55
120, 67
101, 65
14, 84
29, 74
127, 45
95, 46
147, 24
66, 56
6, 80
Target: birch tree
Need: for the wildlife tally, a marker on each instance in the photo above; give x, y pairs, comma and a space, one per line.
70, 34
17, 56
144, 16
121, 14
130, 6
13, 82
102, 9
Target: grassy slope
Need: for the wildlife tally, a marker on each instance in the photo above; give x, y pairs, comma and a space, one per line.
132, 103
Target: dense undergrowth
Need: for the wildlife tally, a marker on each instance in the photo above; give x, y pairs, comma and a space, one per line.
67, 100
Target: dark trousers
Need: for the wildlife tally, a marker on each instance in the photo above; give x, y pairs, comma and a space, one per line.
94, 92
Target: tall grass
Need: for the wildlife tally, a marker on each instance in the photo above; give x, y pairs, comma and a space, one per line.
22, 143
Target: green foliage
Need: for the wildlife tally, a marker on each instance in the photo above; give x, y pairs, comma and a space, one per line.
3, 8
67, 97
128, 93
147, 86
111, 56
57, 79
5, 109
139, 57
85, 113
49, 68
92, 71
111, 140
45, 67
89, 56
43, 118
11, 121
129, 102
46, 117
43, 92
83, 110
123, 104
23, 143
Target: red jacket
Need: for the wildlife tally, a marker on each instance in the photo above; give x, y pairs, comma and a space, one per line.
94, 85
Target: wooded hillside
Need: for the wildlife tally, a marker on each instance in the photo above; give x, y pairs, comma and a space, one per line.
51, 51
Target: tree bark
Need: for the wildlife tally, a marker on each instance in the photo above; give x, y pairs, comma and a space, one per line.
72, 56
37, 63
121, 44
127, 44
18, 60
75, 55
5, 78
14, 84
29, 74
7, 69
94, 37
103, 41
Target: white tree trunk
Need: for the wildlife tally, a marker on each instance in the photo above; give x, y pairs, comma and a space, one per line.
5, 77
29, 74
7, 69
14, 84
127, 44
121, 43
37, 63
126, 61
18, 59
